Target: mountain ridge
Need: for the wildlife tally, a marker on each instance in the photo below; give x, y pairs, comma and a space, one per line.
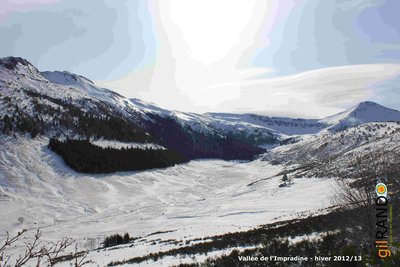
254, 128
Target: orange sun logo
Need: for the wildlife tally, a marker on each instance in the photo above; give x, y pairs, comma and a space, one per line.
381, 189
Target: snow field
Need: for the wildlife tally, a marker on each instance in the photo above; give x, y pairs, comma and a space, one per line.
187, 201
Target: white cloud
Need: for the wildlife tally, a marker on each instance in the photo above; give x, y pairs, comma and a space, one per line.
203, 63
316, 93
200, 44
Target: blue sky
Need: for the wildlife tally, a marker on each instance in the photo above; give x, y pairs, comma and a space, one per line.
299, 58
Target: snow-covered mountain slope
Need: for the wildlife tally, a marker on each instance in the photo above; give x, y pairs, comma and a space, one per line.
18, 74
336, 152
87, 87
195, 121
31, 103
166, 207
208, 124
81, 83
254, 128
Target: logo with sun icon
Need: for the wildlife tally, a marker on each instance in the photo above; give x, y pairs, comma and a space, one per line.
381, 189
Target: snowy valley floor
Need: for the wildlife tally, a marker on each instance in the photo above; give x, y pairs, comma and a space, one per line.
194, 200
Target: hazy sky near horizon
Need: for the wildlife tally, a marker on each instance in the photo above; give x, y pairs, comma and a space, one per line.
299, 58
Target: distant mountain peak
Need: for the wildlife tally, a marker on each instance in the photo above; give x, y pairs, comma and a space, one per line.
364, 112
370, 110
82, 84
17, 64
368, 104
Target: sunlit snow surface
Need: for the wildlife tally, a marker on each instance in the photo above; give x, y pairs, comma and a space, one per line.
197, 199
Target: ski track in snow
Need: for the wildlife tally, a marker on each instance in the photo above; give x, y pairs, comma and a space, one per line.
197, 199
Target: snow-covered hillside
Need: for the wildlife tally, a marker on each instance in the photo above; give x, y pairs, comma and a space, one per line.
246, 130
85, 86
331, 153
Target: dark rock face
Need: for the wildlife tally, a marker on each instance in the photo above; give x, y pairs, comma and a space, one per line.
11, 63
